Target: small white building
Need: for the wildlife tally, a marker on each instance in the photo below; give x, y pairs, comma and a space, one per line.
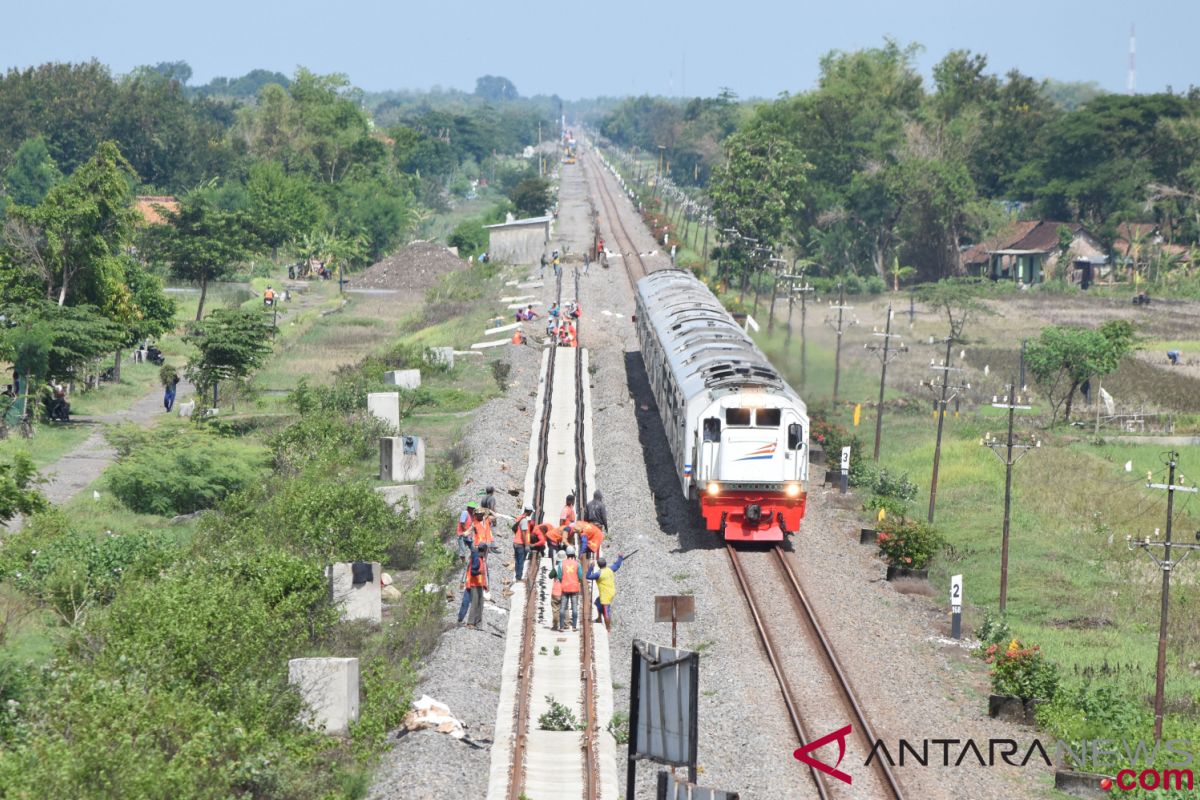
519, 241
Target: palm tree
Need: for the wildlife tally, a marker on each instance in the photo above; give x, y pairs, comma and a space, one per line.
900, 273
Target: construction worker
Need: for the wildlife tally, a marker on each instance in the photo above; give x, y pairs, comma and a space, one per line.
555, 591
462, 534
518, 337
600, 247
489, 500
554, 536
595, 512
571, 575
476, 581
481, 530
269, 297
606, 588
567, 515
522, 539
537, 543
590, 538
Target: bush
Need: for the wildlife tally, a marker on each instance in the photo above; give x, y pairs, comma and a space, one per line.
890, 493
875, 285
833, 437
993, 630
318, 437
328, 520
180, 470
1023, 672
911, 544
470, 237
853, 284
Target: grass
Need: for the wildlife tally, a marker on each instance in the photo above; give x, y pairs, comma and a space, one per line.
1074, 587
49, 443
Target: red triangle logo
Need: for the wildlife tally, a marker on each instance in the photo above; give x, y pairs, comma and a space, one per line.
802, 754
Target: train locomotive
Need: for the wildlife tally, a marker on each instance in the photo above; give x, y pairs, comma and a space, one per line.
737, 432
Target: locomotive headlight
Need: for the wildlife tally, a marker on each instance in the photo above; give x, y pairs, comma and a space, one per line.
792, 490
713, 488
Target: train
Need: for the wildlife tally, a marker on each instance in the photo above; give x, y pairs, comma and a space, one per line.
737, 432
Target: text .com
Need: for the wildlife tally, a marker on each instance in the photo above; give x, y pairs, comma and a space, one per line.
1150, 780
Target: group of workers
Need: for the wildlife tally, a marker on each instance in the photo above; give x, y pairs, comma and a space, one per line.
564, 542
560, 324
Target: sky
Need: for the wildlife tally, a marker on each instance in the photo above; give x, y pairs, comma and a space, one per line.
615, 47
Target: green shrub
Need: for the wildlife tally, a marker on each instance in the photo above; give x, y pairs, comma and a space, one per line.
993, 630
73, 572
875, 285
317, 437
890, 493
181, 470
329, 520
470, 237
1023, 672
908, 543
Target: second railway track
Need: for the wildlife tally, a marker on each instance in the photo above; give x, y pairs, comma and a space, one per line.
775, 629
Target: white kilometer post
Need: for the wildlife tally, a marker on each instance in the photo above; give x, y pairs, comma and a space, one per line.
845, 469
956, 598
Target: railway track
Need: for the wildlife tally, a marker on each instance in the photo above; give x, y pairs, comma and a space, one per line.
635, 267
888, 786
533, 751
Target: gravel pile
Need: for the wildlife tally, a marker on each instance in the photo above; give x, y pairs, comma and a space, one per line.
415, 268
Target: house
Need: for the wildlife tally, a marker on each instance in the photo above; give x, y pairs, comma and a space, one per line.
519, 241
150, 207
1030, 250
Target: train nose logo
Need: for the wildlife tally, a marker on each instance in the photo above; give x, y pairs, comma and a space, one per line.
802, 754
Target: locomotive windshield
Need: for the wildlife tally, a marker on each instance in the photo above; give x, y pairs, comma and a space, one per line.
767, 417
738, 417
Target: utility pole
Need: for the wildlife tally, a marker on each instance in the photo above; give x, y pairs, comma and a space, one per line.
1166, 565
774, 290
1011, 402
943, 385
841, 309
886, 353
707, 218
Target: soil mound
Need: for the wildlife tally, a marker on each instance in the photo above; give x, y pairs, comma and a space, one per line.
416, 268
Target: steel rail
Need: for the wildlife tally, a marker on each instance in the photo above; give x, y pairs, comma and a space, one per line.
591, 775
789, 701
516, 777
616, 225
835, 667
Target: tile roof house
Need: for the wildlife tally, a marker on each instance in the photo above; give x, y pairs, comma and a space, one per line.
149, 206
1030, 250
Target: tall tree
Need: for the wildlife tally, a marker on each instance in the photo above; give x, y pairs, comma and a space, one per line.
1063, 357
231, 343
32, 173
758, 190
77, 236
281, 206
495, 88
204, 241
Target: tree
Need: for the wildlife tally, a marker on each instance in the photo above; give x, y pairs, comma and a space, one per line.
77, 236
495, 88
959, 299
32, 174
232, 343
759, 188
281, 206
204, 242
1062, 358
531, 197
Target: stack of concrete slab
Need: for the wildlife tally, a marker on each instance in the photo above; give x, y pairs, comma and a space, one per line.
329, 687
355, 589
406, 492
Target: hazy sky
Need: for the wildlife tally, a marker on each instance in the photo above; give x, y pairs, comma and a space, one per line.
755, 47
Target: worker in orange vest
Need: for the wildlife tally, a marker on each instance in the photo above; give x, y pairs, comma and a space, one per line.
522, 539
590, 537
518, 336
269, 297
481, 530
555, 591
476, 582
555, 536
537, 543
567, 515
570, 573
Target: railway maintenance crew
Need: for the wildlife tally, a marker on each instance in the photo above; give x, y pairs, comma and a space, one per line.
489, 499
554, 536
522, 539
595, 512
537, 542
463, 538
590, 537
571, 575
567, 515
606, 588
477, 582
555, 591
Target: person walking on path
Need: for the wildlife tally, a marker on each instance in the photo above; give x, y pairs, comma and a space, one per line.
522, 540
170, 387
477, 582
606, 588
571, 574
595, 512
555, 591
